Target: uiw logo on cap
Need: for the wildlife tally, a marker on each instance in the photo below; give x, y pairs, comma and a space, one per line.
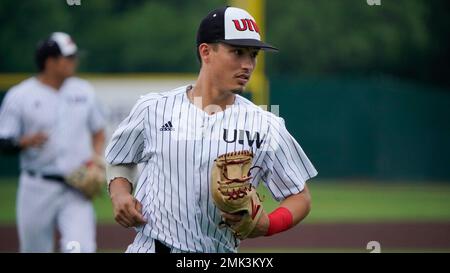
232, 26
249, 24
239, 24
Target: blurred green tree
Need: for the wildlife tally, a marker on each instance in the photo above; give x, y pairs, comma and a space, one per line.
406, 38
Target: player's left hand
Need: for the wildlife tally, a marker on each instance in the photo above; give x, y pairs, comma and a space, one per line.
261, 227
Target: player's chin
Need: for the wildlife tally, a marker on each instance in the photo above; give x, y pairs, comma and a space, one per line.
69, 74
238, 90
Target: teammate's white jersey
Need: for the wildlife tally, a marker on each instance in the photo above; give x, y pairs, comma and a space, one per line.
178, 142
68, 116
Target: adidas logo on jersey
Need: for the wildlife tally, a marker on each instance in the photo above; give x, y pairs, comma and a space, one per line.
167, 127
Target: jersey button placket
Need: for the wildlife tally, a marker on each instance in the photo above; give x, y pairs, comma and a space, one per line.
203, 127
198, 154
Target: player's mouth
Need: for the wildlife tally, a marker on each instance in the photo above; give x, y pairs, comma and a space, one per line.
243, 78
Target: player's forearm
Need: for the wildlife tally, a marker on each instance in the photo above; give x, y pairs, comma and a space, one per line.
299, 205
127, 172
290, 212
119, 186
12, 146
98, 142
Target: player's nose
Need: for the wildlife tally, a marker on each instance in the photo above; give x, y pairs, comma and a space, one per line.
248, 63
247, 67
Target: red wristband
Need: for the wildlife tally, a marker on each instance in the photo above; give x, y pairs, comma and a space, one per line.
279, 220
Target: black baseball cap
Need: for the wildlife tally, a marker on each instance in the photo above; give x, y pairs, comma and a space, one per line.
57, 44
233, 26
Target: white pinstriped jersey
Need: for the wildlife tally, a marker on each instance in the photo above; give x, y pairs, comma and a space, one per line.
177, 142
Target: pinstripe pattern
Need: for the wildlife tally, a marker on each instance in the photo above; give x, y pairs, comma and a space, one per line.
175, 182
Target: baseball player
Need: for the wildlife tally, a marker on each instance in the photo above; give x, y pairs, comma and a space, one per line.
56, 124
177, 136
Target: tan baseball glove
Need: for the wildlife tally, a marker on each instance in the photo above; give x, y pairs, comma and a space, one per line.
89, 178
233, 193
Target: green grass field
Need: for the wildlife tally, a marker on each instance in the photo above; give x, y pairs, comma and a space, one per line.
333, 201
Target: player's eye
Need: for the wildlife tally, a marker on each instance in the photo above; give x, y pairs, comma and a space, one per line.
238, 52
254, 54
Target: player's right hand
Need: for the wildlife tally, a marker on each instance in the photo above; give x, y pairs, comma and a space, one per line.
33, 140
127, 209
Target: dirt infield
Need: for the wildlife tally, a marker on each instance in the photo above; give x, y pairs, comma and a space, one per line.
313, 236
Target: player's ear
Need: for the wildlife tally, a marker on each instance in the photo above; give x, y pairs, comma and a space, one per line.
204, 51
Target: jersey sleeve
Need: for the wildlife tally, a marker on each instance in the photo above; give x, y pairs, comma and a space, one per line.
97, 115
127, 143
10, 118
287, 167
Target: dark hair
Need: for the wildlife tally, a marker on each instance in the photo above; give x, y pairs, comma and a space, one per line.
46, 49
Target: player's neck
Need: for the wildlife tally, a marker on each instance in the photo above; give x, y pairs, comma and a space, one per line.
205, 94
51, 80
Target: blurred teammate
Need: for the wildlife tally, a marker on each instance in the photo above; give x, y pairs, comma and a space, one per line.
178, 134
56, 124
